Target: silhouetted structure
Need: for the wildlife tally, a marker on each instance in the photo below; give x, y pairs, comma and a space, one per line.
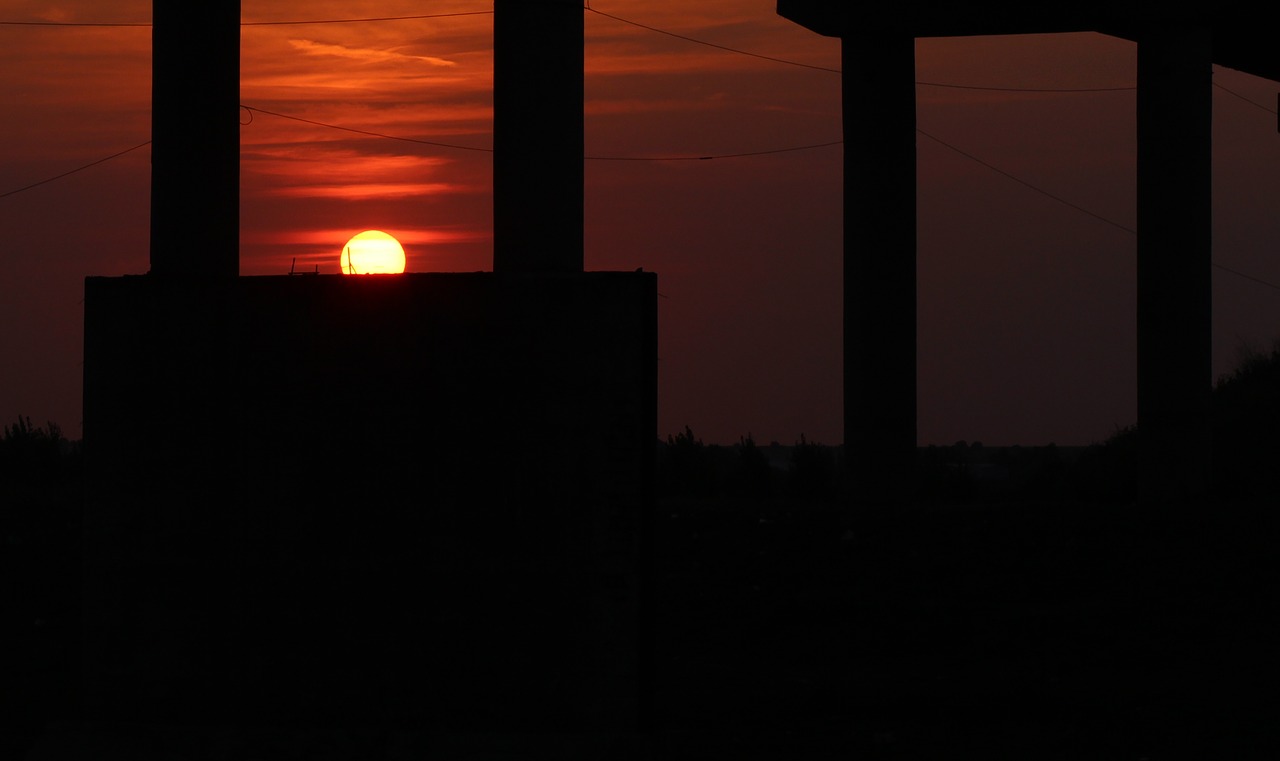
195, 144
537, 136
1176, 49
416, 501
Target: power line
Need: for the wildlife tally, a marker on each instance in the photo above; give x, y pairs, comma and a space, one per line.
718, 156
1246, 100
255, 23
73, 171
710, 44
368, 133
383, 135
620, 19
363, 20
945, 144
1081, 209
739, 51
75, 23
1126, 88
1237, 273
1024, 183
1030, 89
941, 142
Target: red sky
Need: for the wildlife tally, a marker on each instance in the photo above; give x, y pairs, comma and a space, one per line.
1026, 303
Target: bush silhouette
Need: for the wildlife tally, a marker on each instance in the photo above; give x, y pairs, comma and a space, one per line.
689, 468
1246, 424
812, 471
751, 477
943, 475
1245, 448
1108, 471
33, 455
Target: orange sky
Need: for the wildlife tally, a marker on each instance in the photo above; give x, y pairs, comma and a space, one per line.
1026, 304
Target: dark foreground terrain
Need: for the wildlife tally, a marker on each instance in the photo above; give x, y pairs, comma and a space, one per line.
1057, 630
1029, 629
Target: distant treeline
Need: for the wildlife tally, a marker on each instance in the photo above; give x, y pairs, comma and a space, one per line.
1245, 426
1245, 446
41, 508
746, 471
37, 456
810, 474
39, 465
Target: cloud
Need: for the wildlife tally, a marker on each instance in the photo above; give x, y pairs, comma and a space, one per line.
336, 171
366, 55
368, 191
335, 237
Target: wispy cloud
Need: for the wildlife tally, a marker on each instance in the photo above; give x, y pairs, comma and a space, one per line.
368, 191
366, 55
343, 173
334, 237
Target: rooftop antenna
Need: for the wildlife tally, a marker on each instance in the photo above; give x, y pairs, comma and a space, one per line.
293, 268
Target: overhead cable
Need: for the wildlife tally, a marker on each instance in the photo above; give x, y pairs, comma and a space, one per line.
300, 22
73, 171
1081, 209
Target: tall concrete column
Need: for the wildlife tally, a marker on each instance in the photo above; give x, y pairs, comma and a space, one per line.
195, 138
537, 135
880, 261
1174, 254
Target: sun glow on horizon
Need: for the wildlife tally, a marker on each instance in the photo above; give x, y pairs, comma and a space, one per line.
372, 252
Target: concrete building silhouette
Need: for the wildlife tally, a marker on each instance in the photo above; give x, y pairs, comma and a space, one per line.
417, 500
1176, 51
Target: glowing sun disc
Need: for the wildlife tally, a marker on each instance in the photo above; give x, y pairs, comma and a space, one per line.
372, 252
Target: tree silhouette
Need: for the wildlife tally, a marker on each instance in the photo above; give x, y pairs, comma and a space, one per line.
1245, 420
812, 471
751, 477
31, 454
1246, 427
40, 519
690, 469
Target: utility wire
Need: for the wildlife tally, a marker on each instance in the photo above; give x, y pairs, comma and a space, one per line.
256, 23
1253, 103
368, 133
620, 19
728, 49
75, 23
363, 20
1216, 84
588, 8
1081, 209
946, 145
710, 44
1126, 88
73, 171
1237, 273
718, 156
1026, 184
1030, 89
971, 157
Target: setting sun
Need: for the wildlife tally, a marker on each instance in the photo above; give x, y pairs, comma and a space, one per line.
372, 252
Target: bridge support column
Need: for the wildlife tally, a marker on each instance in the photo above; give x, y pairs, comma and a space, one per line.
537, 136
1174, 258
195, 139
880, 263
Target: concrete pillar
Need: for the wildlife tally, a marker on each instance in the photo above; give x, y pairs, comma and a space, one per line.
537, 135
1174, 252
195, 134
880, 262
